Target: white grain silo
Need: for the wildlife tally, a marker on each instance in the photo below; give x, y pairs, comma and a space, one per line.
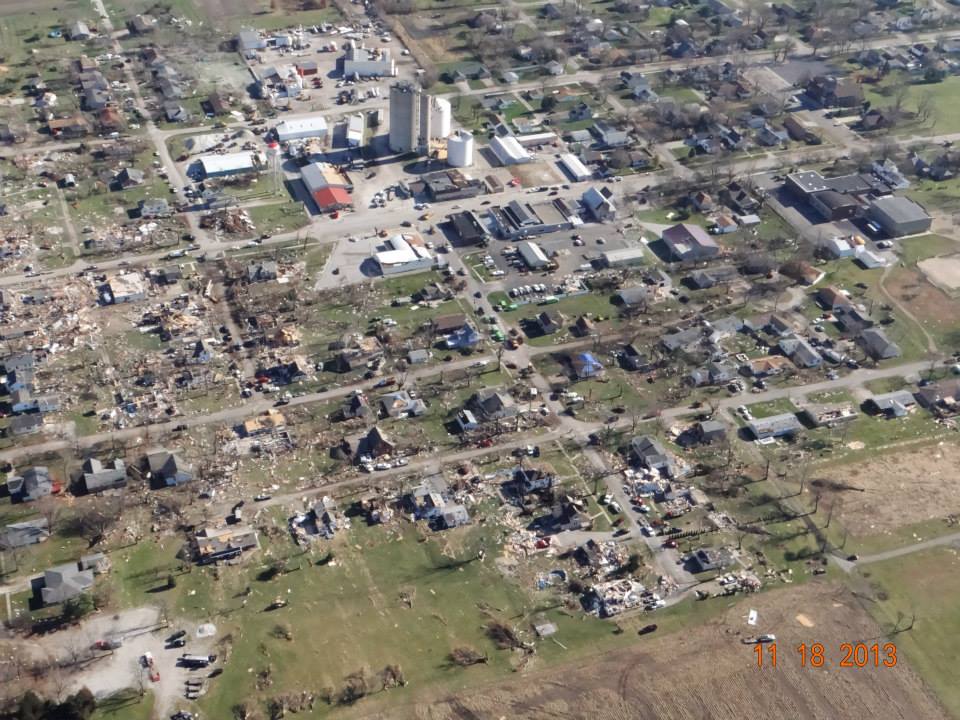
439, 118
460, 149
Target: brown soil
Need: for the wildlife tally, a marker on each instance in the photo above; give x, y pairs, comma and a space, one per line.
899, 489
707, 672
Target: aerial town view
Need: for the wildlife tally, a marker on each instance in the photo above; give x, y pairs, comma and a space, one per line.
456, 360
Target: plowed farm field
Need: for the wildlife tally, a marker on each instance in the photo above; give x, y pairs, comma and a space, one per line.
708, 672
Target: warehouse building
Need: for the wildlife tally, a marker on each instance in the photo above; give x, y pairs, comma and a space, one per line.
311, 127
329, 188
625, 257
533, 255
508, 151
404, 253
899, 216
228, 164
468, 227
574, 168
517, 220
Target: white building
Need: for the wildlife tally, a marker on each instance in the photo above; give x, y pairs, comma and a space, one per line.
460, 149
509, 151
310, 127
227, 164
125, 287
404, 253
364, 62
355, 129
577, 170
533, 255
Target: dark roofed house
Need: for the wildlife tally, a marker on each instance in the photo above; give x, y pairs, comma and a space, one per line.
33, 484
169, 467
944, 394
801, 352
490, 404
549, 323
65, 582
775, 426
650, 453
21, 534
710, 431
892, 404
98, 477
877, 345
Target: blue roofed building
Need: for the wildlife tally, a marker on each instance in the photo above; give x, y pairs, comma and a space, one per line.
585, 366
465, 337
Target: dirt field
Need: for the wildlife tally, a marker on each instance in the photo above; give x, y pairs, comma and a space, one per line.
709, 673
231, 8
899, 489
943, 272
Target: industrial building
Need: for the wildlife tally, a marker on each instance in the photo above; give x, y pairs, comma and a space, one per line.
460, 149
468, 227
533, 255
575, 169
518, 220
228, 164
329, 188
451, 185
409, 119
310, 127
624, 257
355, 130
404, 253
509, 151
898, 216
362, 62
689, 242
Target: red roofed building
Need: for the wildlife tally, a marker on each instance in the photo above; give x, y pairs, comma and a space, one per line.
332, 198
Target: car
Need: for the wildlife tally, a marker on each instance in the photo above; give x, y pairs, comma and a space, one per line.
767, 638
177, 635
670, 544
601, 241
178, 643
647, 629
578, 243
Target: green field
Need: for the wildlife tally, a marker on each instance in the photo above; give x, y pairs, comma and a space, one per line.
920, 586
945, 96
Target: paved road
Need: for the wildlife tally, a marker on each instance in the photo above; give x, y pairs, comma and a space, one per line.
953, 539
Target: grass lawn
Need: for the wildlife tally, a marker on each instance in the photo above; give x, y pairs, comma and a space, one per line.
278, 218
945, 117
934, 194
919, 586
404, 598
915, 249
772, 407
126, 705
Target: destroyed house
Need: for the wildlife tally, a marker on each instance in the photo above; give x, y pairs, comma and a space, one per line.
216, 544
98, 477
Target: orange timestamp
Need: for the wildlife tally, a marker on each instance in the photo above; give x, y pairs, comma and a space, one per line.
815, 655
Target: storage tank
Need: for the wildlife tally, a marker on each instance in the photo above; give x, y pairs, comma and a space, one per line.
439, 118
460, 149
